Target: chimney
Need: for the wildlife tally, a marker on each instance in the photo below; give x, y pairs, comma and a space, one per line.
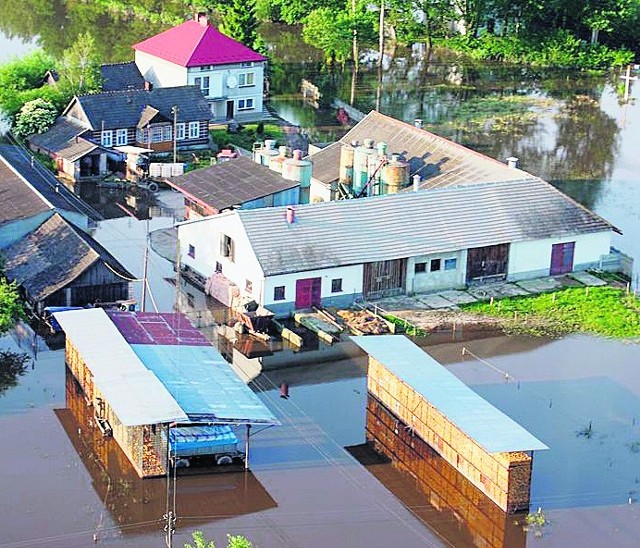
416, 182
291, 215
512, 162
297, 154
148, 86
203, 18
418, 123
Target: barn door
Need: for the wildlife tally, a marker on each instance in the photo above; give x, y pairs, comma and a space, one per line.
384, 278
485, 264
308, 293
562, 258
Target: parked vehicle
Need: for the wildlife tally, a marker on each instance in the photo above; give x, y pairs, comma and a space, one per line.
191, 442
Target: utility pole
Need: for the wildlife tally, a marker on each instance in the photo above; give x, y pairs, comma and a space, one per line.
355, 35
381, 34
174, 110
145, 266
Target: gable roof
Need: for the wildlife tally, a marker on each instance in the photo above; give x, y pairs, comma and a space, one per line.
121, 76
410, 224
64, 138
45, 183
193, 44
19, 200
53, 256
123, 109
231, 183
439, 161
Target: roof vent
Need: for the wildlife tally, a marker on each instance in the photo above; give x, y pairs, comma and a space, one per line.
368, 143
148, 86
512, 162
416, 182
291, 215
203, 18
418, 123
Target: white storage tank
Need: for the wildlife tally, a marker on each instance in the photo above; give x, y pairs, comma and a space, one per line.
395, 175
263, 153
276, 162
362, 157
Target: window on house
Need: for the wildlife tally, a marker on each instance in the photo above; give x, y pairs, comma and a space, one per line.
247, 63
451, 264
121, 137
192, 251
226, 247
420, 268
203, 84
167, 133
180, 131
246, 79
218, 267
143, 135
156, 134
191, 300
436, 264
278, 293
106, 140
245, 104
336, 285
194, 130
248, 286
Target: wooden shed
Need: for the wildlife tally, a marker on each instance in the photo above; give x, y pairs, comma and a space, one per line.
490, 449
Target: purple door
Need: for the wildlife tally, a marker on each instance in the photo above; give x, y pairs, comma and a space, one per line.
562, 258
308, 293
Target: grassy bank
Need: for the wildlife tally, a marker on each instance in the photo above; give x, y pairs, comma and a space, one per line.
249, 134
606, 311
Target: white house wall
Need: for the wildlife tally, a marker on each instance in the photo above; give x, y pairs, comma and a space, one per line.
351, 287
161, 73
422, 282
319, 191
533, 258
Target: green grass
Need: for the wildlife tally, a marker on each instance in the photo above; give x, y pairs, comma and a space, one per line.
247, 136
606, 311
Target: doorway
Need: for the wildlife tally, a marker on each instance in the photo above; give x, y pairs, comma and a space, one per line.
487, 264
308, 293
562, 258
230, 110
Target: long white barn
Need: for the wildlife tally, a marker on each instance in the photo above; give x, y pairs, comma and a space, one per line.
335, 252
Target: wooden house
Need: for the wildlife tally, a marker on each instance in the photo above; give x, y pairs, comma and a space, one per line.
332, 253
486, 446
239, 183
58, 264
230, 75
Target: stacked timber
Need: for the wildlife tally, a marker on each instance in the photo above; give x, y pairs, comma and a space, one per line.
364, 322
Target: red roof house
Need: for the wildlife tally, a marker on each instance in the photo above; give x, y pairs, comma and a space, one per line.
230, 74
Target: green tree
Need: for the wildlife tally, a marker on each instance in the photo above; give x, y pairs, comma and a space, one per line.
11, 307
238, 20
80, 67
233, 541
35, 116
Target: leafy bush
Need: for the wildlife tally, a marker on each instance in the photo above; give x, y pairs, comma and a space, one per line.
35, 116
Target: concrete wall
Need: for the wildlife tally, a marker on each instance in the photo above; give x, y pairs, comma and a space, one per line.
160, 73
533, 258
421, 282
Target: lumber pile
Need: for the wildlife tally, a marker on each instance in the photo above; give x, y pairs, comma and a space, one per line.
364, 322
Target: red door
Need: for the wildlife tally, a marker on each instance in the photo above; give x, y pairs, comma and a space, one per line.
562, 258
308, 292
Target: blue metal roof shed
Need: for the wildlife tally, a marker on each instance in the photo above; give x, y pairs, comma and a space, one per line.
475, 416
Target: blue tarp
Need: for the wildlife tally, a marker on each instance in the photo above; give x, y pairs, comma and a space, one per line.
189, 439
203, 384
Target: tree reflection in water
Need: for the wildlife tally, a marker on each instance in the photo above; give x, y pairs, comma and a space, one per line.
12, 366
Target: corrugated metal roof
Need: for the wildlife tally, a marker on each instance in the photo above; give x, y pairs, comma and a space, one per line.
231, 183
134, 393
204, 384
409, 224
475, 416
438, 161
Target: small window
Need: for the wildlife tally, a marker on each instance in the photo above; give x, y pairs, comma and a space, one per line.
450, 264
106, 139
336, 285
278, 293
194, 130
167, 133
247, 63
192, 251
226, 247
180, 131
248, 286
436, 264
420, 268
143, 135
203, 84
246, 79
156, 134
245, 104
218, 267
121, 137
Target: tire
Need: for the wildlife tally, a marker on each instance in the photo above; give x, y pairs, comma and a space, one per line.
183, 463
224, 460
153, 187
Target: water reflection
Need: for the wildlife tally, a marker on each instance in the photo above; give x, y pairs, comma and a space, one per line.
137, 505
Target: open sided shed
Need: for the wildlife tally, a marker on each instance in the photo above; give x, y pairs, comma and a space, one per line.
489, 448
139, 390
